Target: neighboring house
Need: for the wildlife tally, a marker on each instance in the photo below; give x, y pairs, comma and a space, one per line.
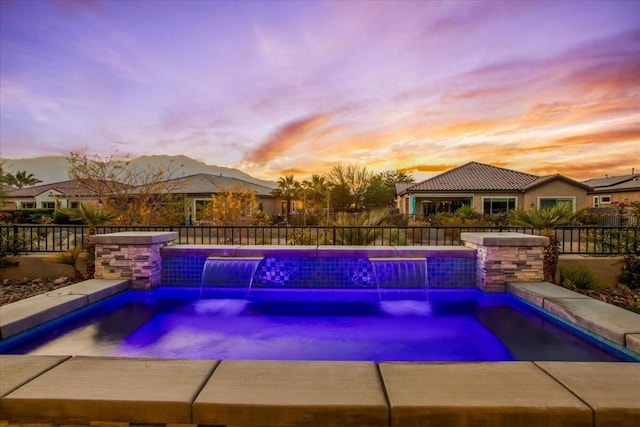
614, 189
489, 190
198, 191
66, 194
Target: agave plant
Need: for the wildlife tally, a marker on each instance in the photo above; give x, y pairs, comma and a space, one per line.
359, 228
545, 220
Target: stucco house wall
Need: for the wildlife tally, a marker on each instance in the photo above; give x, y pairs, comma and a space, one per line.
556, 189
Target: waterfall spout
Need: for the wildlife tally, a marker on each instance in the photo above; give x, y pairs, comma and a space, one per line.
401, 278
229, 276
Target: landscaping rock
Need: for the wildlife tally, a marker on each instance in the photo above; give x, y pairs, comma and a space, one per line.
16, 290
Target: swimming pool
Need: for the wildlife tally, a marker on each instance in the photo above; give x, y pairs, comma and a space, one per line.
451, 325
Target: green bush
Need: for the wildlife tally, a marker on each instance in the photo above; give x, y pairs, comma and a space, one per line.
62, 217
579, 277
631, 271
30, 216
359, 228
10, 245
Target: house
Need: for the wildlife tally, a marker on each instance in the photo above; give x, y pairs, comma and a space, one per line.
490, 190
195, 191
65, 194
610, 190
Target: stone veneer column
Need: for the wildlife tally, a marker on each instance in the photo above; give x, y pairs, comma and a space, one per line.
506, 257
133, 255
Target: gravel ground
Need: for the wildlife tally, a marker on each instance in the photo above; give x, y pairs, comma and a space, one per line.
15, 290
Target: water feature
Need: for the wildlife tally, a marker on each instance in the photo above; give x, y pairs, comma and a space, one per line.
229, 275
401, 278
375, 278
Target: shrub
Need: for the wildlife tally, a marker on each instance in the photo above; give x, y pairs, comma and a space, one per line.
631, 271
362, 228
11, 244
302, 237
579, 277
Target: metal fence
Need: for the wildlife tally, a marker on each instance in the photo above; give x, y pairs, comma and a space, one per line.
594, 240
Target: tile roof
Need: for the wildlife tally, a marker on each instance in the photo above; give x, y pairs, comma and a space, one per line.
203, 183
476, 176
69, 188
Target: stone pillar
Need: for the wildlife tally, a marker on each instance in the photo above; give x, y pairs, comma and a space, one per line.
506, 257
133, 255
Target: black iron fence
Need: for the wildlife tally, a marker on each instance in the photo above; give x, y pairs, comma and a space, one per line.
595, 240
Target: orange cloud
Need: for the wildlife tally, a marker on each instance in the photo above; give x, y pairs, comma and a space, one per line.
630, 134
287, 136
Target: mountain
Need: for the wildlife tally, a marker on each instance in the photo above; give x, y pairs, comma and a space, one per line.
55, 168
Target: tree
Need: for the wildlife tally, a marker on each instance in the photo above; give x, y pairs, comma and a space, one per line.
287, 188
21, 179
233, 206
381, 192
349, 184
317, 189
138, 196
546, 220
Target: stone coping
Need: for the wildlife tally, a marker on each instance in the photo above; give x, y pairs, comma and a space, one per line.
134, 237
321, 251
21, 315
504, 239
605, 320
85, 391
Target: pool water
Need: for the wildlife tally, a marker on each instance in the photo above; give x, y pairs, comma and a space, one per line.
178, 323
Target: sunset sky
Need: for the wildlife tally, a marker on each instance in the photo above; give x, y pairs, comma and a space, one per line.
295, 87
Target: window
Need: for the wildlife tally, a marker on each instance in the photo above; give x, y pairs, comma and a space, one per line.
203, 210
74, 205
497, 205
48, 205
28, 205
548, 202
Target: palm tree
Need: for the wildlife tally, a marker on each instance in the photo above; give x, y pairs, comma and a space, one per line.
287, 189
546, 220
93, 216
318, 189
21, 179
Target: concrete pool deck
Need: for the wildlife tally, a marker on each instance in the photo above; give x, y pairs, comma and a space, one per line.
79, 390
91, 391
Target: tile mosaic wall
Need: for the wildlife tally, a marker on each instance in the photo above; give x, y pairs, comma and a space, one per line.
451, 272
186, 271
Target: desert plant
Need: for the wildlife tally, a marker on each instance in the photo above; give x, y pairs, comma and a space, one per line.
361, 228
93, 216
70, 257
578, 277
545, 220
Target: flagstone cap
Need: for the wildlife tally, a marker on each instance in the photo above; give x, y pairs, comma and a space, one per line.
504, 239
